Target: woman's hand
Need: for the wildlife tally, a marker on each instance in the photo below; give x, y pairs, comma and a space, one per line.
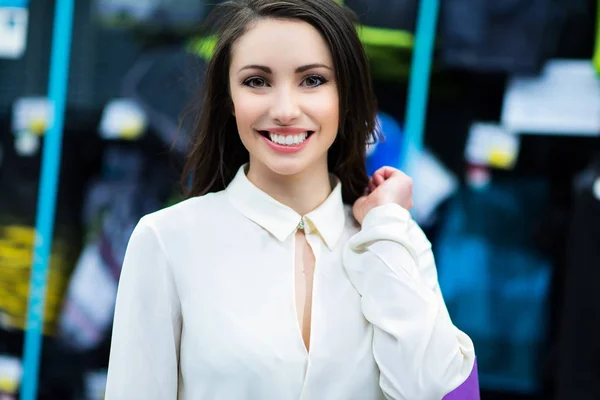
387, 185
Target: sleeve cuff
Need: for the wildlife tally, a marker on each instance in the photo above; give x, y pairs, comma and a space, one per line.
385, 214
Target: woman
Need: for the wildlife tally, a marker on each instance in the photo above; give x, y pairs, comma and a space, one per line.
264, 284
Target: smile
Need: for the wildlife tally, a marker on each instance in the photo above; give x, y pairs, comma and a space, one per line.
287, 140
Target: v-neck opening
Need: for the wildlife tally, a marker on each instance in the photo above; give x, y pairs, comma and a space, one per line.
299, 329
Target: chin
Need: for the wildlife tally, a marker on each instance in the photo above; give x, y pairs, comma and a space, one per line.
287, 167
305, 161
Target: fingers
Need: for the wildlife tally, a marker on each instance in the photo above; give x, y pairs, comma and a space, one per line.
376, 180
382, 175
386, 172
372, 185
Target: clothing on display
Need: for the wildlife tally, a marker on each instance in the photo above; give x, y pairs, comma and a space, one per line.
578, 366
19, 181
178, 76
500, 36
433, 184
98, 62
19, 176
494, 280
113, 206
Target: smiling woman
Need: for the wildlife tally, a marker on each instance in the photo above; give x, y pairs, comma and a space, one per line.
304, 58
275, 92
287, 274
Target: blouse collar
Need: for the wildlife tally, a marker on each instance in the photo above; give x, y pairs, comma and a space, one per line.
327, 220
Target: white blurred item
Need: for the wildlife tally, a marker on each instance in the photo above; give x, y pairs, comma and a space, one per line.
122, 119
89, 306
27, 144
563, 100
13, 29
596, 189
492, 145
32, 114
433, 183
11, 371
95, 384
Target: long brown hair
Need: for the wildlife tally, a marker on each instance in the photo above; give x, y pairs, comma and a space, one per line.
218, 151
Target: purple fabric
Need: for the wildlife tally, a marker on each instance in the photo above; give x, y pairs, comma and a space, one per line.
469, 390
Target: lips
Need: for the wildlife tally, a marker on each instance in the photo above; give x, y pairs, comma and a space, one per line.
287, 136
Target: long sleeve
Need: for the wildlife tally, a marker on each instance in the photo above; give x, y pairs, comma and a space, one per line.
147, 325
419, 352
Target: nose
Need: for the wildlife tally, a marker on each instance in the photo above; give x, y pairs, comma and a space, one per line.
285, 109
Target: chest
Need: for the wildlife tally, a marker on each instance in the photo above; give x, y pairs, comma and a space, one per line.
242, 310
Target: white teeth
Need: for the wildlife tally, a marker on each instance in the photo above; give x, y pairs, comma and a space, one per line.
288, 140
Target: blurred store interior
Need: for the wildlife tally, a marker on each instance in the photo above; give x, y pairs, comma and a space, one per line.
507, 183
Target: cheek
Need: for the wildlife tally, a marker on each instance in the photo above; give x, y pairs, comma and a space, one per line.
326, 110
247, 107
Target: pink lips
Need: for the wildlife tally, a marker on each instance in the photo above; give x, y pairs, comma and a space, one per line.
285, 131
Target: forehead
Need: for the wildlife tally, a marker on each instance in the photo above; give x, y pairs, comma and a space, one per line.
275, 42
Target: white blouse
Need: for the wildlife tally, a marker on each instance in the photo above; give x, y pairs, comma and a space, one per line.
206, 306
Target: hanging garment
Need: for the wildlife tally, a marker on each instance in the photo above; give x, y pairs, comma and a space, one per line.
578, 366
177, 75
499, 36
19, 181
99, 60
131, 187
494, 280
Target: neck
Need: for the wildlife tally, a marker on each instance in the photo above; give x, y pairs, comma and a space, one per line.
302, 192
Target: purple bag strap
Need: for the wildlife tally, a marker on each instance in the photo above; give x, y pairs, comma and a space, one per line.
469, 390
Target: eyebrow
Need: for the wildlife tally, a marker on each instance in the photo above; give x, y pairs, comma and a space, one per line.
299, 70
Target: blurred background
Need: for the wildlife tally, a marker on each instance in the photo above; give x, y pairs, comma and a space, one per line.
506, 171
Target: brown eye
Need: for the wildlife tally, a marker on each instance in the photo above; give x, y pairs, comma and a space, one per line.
256, 82
314, 81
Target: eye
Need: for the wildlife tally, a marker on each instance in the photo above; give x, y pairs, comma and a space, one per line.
256, 82
314, 81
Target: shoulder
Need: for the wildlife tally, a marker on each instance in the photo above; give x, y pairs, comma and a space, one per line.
188, 216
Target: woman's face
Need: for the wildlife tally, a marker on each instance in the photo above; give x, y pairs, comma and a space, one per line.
285, 97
